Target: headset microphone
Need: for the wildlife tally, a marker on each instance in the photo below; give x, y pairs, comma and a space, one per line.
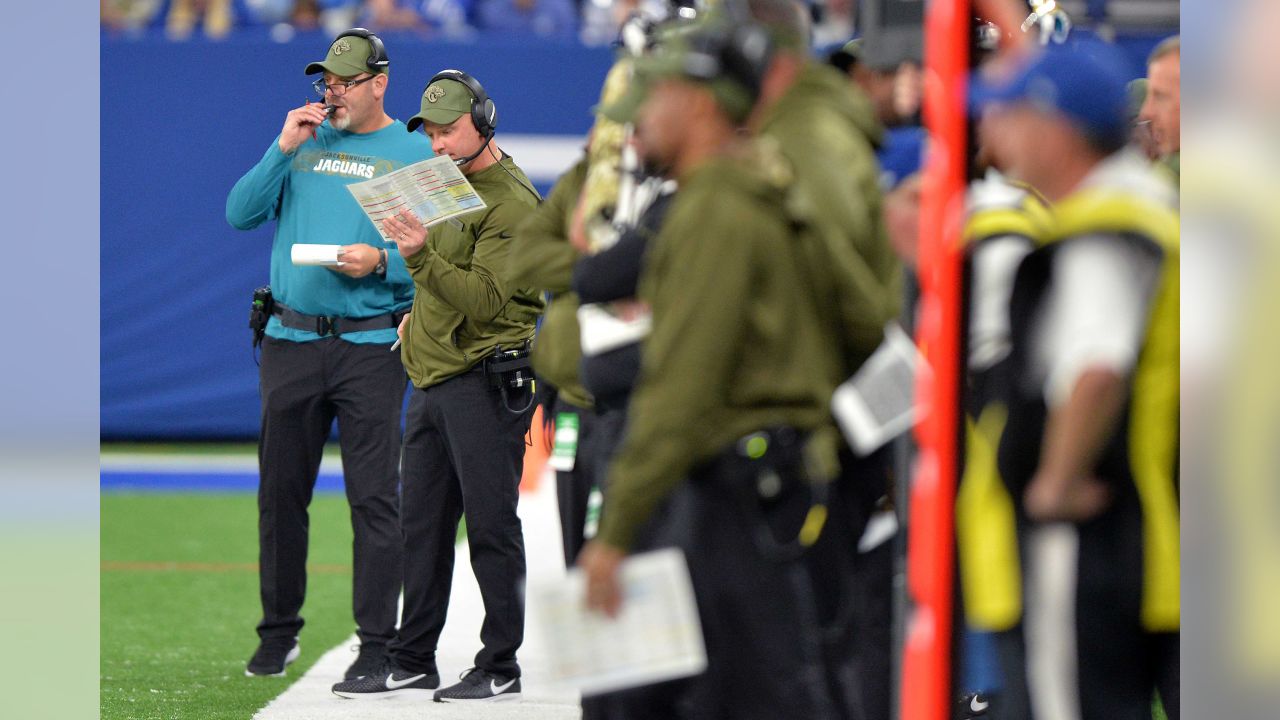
487, 139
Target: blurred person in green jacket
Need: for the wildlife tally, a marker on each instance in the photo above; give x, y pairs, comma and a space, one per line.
828, 130
729, 444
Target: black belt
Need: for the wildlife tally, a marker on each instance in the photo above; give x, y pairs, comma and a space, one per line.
325, 325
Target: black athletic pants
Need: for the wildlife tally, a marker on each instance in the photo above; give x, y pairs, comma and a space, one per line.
853, 591
755, 603
304, 387
1117, 665
573, 487
463, 455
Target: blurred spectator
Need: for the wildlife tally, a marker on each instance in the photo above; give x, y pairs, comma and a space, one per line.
895, 90
302, 14
268, 12
545, 18
392, 14
214, 16
128, 15
447, 16
834, 19
1163, 106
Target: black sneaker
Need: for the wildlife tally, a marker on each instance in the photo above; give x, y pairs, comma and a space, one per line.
391, 681
371, 661
271, 657
480, 686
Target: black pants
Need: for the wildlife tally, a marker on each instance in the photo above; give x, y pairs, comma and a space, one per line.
304, 387
463, 454
573, 487
1118, 664
853, 591
755, 603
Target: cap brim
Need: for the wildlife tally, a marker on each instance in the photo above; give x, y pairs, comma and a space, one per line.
341, 69
439, 116
985, 92
623, 110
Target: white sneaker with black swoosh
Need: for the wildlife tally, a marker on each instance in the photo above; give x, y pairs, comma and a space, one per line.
480, 686
391, 681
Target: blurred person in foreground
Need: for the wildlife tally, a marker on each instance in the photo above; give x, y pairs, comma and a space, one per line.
828, 131
465, 428
729, 440
325, 355
1090, 447
584, 246
1162, 108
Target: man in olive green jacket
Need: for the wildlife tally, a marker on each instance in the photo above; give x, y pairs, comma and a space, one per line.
465, 427
828, 130
544, 258
733, 390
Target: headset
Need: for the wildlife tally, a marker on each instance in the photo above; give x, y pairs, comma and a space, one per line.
376, 62
740, 51
484, 114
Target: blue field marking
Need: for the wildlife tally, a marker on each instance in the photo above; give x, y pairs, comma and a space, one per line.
228, 481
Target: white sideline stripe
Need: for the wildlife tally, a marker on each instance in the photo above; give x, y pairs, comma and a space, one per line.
196, 464
544, 158
310, 698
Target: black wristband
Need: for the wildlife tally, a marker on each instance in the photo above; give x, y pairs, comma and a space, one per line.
381, 268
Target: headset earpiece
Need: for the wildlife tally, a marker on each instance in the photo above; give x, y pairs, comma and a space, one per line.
740, 51
377, 61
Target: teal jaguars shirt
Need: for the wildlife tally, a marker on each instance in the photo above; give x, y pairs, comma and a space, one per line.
306, 194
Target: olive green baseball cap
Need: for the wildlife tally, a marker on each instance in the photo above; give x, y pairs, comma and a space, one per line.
348, 56
442, 102
623, 108
678, 60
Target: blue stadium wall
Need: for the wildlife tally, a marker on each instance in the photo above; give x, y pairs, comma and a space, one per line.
180, 123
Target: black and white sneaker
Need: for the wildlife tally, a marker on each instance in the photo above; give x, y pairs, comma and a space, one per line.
973, 705
480, 686
391, 681
371, 660
271, 657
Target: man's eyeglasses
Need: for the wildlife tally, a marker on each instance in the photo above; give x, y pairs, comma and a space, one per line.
338, 88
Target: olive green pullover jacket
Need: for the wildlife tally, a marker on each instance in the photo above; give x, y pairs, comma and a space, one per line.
465, 303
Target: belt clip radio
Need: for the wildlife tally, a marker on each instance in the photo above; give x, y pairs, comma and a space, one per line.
509, 372
260, 312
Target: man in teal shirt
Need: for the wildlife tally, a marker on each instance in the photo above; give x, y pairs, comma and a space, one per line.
325, 355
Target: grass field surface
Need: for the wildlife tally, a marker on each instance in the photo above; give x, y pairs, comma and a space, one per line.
179, 601
179, 596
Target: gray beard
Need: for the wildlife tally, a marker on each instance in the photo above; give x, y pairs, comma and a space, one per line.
340, 123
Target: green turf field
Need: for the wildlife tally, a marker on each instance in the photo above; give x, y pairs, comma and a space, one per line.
179, 600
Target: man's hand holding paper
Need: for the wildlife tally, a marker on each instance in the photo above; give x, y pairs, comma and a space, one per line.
429, 191
357, 260
408, 233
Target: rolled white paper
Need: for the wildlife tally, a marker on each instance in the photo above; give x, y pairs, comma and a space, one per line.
311, 254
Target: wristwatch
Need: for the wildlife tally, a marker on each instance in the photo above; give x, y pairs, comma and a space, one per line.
381, 268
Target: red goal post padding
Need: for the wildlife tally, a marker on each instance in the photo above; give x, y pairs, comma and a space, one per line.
926, 681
